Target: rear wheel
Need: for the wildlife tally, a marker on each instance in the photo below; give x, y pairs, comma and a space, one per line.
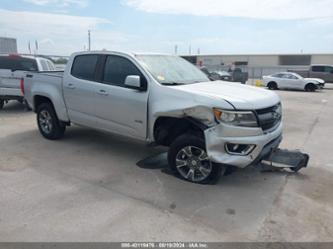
188, 159
48, 123
2, 103
272, 86
310, 87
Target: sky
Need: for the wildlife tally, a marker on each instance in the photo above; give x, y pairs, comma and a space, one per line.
207, 26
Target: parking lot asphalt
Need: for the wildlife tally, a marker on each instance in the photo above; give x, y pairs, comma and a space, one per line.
92, 186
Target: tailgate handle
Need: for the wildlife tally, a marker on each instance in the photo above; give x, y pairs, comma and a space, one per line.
71, 86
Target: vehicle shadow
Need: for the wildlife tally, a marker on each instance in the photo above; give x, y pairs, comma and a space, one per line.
13, 107
115, 164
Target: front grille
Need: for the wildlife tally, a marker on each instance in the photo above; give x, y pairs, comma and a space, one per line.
269, 117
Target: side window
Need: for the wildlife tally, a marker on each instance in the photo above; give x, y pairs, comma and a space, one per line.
84, 67
292, 77
328, 69
44, 65
117, 69
318, 69
50, 65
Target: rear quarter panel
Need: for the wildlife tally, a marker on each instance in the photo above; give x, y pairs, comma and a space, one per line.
49, 86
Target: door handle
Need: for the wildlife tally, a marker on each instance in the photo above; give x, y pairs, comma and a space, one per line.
71, 86
103, 92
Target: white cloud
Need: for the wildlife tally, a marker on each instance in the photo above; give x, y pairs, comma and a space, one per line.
56, 33
59, 3
264, 9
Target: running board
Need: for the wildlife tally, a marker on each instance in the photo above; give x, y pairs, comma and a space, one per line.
294, 160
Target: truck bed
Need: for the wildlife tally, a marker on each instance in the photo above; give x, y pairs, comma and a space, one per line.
49, 82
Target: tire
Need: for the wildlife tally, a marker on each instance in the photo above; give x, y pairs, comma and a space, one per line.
272, 86
2, 103
310, 87
188, 159
48, 123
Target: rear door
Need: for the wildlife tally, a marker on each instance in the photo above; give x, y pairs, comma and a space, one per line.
119, 109
80, 88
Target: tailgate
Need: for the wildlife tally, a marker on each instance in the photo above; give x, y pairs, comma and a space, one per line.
9, 79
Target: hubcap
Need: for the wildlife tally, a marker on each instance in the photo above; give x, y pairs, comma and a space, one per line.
45, 121
193, 163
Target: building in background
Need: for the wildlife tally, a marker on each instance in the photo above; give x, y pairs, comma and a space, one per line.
258, 65
8, 45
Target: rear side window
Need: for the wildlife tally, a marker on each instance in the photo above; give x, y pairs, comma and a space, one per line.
329, 69
44, 65
84, 67
18, 63
51, 66
117, 69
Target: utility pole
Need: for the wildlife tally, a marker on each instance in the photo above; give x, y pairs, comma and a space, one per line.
198, 51
176, 49
190, 50
89, 41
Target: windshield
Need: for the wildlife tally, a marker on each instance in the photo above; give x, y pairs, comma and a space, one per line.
172, 70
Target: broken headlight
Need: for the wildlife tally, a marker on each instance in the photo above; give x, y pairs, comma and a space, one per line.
236, 118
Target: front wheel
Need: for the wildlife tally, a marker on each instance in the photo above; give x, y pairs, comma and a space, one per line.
2, 103
188, 159
310, 87
48, 123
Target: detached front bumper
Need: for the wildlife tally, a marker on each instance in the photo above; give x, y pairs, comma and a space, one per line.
217, 138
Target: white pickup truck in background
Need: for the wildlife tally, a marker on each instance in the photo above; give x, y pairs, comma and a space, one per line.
162, 100
13, 68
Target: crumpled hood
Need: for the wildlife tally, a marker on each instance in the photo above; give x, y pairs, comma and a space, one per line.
315, 79
242, 97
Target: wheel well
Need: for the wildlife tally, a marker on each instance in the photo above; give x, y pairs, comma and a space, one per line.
38, 100
167, 129
271, 82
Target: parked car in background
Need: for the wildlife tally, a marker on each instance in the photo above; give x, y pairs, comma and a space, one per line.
216, 75
238, 75
289, 80
223, 75
162, 100
324, 72
211, 75
13, 68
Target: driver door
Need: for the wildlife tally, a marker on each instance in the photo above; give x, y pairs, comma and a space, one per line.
120, 109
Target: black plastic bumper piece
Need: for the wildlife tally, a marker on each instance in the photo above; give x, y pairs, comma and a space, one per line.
295, 160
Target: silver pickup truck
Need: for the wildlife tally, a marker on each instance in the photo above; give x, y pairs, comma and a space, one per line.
162, 100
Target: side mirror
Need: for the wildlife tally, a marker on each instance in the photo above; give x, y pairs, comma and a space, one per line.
133, 81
